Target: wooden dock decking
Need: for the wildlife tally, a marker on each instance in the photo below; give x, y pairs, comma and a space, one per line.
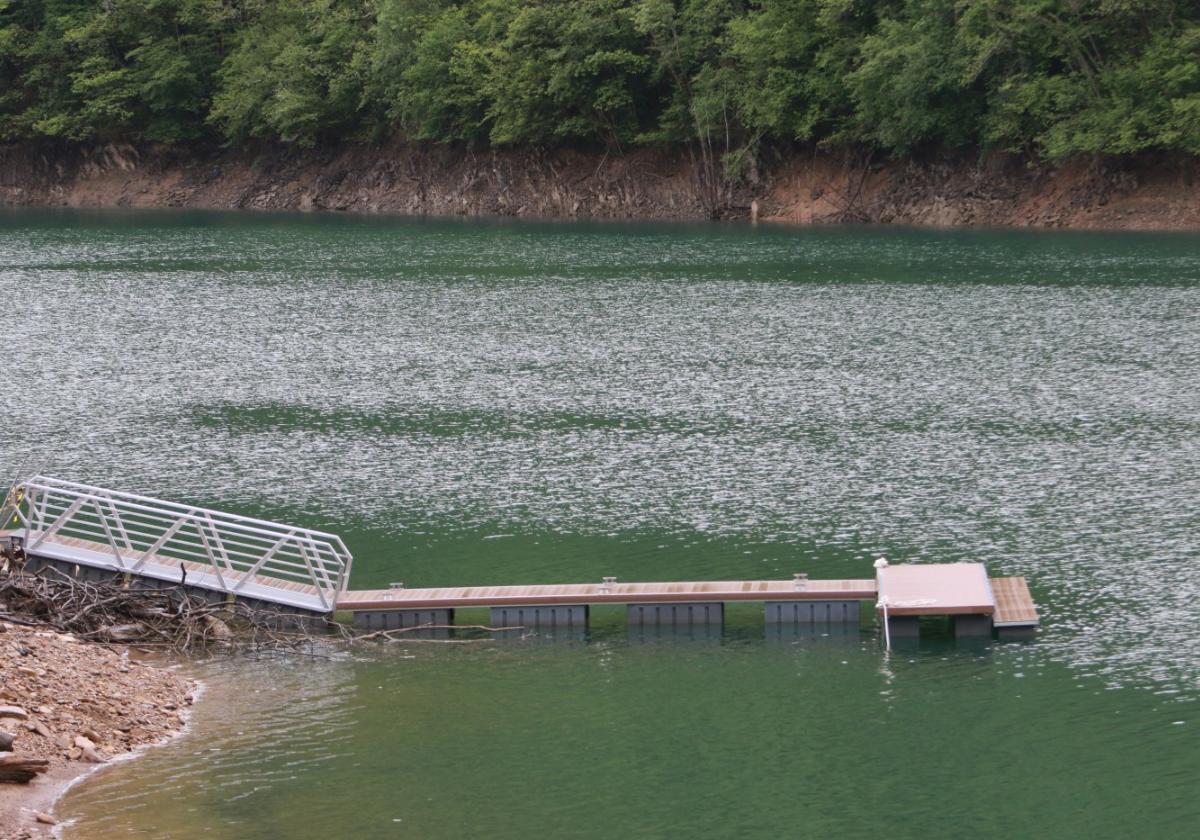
1014, 604
612, 593
294, 593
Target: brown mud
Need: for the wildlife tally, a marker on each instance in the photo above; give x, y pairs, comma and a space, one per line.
1147, 193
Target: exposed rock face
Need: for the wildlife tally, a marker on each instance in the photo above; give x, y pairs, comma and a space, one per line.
800, 187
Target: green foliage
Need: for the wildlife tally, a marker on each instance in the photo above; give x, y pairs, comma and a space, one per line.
122, 69
296, 73
793, 60
430, 69
1113, 77
687, 44
567, 69
911, 86
1050, 77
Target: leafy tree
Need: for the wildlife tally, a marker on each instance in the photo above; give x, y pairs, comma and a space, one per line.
1046, 77
1107, 76
296, 73
792, 60
36, 63
568, 69
911, 88
686, 40
132, 69
430, 68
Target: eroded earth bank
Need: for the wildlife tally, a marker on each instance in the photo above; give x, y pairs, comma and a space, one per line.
1150, 193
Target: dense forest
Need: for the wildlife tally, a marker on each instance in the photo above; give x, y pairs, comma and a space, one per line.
1046, 78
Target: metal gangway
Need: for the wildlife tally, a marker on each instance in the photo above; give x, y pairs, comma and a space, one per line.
79, 525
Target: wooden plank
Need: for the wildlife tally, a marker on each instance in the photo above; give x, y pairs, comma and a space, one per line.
593, 593
1014, 604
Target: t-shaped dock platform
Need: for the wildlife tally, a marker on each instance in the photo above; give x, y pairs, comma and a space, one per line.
962, 591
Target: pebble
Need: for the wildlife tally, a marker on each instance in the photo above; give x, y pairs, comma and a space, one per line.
95, 704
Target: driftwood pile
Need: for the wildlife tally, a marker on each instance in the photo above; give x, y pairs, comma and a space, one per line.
176, 618
171, 618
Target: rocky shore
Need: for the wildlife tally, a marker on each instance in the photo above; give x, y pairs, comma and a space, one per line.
799, 186
71, 706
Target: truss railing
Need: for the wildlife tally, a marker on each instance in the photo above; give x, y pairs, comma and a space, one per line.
235, 554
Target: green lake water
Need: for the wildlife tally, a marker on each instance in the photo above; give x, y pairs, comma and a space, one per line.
496, 402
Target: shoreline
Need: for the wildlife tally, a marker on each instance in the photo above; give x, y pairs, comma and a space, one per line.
68, 784
21, 803
799, 187
86, 706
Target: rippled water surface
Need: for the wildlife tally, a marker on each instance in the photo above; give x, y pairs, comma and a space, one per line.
502, 403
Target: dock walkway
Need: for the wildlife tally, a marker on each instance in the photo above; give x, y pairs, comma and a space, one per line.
96, 533
606, 593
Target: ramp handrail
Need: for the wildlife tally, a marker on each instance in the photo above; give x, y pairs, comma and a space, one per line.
139, 530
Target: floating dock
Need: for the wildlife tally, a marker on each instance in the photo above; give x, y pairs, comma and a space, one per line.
961, 591
96, 533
